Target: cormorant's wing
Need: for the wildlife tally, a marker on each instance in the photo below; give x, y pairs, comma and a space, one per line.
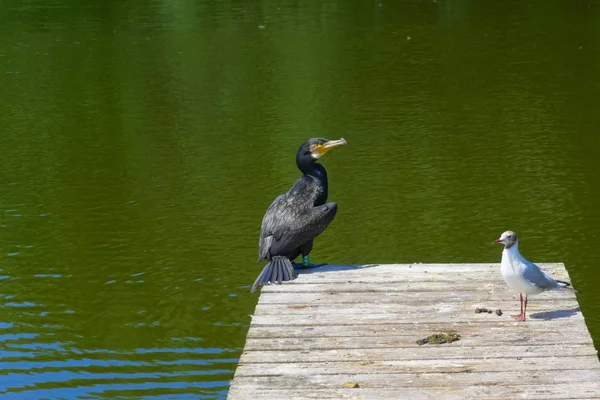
305, 227
537, 277
285, 211
269, 223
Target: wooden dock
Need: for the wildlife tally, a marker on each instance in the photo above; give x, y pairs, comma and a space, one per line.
351, 332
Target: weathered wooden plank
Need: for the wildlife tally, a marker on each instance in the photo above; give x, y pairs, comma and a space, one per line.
399, 380
539, 332
317, 298
447, 351
586, 390
385, 287
372, 269
496, 337
556, 363
394, 279
367, 319
417, 308
401, 275
415, 273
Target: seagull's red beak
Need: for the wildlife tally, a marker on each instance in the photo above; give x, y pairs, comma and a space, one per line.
497, 241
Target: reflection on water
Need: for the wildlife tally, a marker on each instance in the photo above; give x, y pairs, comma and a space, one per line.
45, 364
142, 144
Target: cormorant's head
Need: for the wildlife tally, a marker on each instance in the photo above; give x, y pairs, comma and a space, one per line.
313, 149
508, 239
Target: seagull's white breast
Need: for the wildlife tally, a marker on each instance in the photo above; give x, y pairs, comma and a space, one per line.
512, 269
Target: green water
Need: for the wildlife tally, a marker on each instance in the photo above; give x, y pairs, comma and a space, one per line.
143, 141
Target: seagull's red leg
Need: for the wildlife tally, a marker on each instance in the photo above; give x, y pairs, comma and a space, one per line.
521, 316
521, 294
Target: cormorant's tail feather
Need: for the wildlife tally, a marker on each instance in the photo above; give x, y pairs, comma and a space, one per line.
279, 269
566, 285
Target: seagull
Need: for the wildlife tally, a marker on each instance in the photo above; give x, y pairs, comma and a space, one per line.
521, 275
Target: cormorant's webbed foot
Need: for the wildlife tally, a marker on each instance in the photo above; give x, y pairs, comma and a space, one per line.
306, 263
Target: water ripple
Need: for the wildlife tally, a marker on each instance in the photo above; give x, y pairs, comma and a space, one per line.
49, 373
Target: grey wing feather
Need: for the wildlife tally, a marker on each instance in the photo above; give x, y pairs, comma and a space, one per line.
291, 218
266, 229
304, 229
539, 278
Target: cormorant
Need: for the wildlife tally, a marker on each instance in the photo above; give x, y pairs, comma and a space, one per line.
295, 218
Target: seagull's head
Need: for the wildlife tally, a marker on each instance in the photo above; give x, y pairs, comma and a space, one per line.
508, 239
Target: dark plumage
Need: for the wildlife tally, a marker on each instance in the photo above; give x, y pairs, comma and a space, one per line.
295, 218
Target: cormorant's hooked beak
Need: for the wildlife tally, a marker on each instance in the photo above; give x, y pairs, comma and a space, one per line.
325, 147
